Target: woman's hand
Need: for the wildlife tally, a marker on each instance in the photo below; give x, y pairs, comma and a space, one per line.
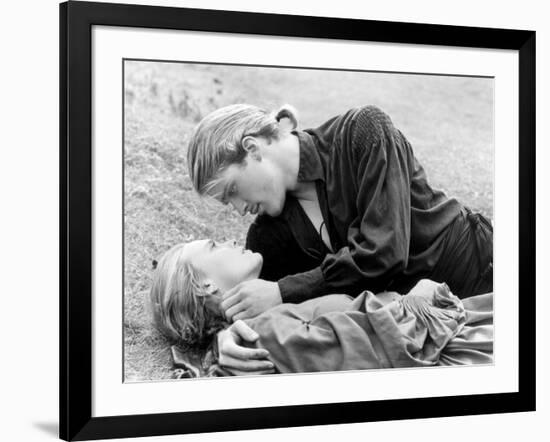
250, 298
241, 360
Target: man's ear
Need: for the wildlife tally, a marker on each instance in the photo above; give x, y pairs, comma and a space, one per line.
210, 287
251, 146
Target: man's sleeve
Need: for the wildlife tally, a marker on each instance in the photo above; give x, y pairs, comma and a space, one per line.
376, 159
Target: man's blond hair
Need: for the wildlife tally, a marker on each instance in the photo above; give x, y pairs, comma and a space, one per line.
216, 142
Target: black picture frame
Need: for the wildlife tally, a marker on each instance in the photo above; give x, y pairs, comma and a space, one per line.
76, 21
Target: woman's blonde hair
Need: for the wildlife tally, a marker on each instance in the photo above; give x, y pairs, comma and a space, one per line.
216, 142
178, 300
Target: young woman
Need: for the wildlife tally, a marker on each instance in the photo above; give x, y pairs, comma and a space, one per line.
342, 208
429, 326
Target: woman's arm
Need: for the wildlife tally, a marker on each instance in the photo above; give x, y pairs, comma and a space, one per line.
371, 332
299, 341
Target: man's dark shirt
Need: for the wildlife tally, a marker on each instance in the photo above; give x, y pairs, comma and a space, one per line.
386, 224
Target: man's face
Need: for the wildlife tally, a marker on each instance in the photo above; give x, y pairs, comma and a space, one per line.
255, 186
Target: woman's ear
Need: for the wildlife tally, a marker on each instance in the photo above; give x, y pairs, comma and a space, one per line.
251, 146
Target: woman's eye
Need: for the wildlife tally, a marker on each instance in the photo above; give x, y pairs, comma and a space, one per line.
232, 190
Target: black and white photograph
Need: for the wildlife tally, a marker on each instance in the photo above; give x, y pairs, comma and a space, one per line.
275, 221
284, 220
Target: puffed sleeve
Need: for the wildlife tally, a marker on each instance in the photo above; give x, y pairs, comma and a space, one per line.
429, 326
299, 340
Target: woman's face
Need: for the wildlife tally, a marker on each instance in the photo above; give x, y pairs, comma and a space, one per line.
224, 263
255, 186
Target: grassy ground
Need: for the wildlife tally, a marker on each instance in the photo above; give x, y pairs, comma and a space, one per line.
448, 120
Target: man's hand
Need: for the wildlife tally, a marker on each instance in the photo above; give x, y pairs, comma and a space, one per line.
250, 298
241, 360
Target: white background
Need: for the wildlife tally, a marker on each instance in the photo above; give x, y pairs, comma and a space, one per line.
29, 241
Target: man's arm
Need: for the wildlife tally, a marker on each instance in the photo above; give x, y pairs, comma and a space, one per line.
376, 160
282, 255
373, 160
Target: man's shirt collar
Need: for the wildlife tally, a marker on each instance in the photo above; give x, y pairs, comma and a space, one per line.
310, 168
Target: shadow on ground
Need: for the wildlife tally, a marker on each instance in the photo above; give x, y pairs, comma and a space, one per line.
50, 428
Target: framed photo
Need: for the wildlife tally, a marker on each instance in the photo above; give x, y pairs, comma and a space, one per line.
136, 81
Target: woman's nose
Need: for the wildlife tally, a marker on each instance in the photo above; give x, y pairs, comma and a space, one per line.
239, 207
